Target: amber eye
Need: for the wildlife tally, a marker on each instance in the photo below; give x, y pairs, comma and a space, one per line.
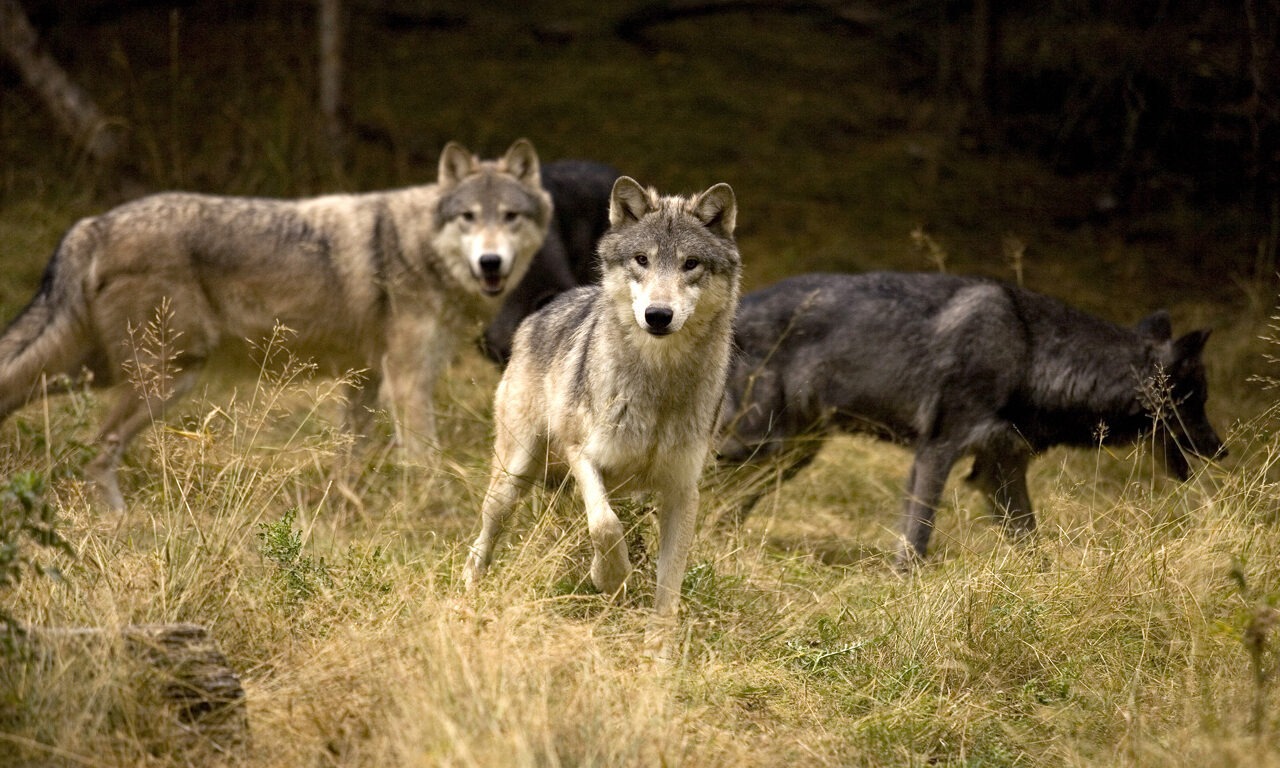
642, 259
691, 264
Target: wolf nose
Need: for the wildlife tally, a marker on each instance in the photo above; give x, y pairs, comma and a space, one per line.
490, 263
658, 318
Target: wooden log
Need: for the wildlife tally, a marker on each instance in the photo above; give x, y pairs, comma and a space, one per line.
175, 673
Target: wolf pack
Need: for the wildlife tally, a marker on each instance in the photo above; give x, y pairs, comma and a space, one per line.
630, 364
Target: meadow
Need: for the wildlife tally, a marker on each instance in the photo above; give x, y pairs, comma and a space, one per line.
1139, 630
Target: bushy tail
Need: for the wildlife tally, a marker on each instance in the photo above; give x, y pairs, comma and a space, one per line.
48, 339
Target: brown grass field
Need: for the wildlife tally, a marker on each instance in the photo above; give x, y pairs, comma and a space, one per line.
1139, 630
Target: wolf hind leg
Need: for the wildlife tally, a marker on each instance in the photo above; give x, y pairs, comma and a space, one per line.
513, 467
929, 471
132, 411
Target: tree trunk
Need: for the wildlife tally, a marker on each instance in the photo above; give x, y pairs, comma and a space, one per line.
332, 109
75, 112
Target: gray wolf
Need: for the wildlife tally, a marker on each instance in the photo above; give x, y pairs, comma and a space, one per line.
954, 366
621, 382
386, 282
580, 191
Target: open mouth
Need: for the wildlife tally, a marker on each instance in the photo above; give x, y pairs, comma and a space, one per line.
491, 283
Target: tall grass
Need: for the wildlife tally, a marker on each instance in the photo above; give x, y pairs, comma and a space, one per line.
1138, 630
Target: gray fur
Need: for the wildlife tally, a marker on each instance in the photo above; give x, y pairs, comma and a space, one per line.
567, 258
624, 398
380, 281
951, 366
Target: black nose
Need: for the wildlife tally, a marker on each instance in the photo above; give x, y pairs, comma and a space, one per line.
490, 263
658, 318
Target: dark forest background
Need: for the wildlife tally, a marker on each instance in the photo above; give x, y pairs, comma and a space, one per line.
1075, 143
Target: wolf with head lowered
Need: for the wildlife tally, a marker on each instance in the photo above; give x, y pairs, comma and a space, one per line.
620, 384
384, 282
954, 366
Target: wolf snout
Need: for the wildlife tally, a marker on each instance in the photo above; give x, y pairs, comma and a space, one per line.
491, 272
658, 319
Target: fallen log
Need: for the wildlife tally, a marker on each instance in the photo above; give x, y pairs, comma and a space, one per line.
175, 674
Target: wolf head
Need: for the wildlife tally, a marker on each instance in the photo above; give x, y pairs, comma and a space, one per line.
670, 264
495, 212
1183, 427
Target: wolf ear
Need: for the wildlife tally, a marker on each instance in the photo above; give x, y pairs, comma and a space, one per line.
1155, 327
628, 203
717, 209
521, 161
1189, 346
455, 163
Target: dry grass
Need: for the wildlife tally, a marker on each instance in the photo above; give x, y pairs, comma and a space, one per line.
1123, 637
1135, 633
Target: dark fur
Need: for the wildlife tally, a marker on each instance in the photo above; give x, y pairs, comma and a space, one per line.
952, 366
580, 190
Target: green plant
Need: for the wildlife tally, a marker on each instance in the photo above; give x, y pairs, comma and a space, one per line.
300, 575
25, 516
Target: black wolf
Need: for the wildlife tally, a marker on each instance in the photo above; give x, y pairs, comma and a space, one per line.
580, 190
954, 366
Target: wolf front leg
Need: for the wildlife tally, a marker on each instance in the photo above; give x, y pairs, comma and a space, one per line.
1002, 476
610, 564
677, 519
419, 348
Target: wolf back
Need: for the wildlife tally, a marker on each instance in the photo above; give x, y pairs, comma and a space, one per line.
952, 366
385, 281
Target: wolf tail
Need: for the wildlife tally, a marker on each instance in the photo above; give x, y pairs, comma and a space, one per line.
50, 338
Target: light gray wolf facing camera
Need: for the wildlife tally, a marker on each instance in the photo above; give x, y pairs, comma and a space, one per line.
621, 383
387, 282
580, 193
954, 366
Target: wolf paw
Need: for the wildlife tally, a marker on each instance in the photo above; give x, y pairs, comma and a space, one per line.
609, 572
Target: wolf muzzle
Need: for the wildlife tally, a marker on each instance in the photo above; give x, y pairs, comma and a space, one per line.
491, 279
657, 319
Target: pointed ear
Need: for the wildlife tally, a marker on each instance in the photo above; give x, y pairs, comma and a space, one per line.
455, 163
628, 203
1155, 327
1189, 346
717, 209
521, 161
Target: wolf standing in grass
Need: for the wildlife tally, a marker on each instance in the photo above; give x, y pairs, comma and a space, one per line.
387, 282
954, 366
621, 383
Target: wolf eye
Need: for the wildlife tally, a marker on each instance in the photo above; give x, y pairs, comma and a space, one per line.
691, 264
510, 217
468, 216
642, 259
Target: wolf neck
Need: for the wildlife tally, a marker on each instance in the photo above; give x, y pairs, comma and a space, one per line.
418, 265
672, 373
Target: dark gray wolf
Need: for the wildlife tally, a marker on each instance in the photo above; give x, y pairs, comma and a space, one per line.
580, 191
621, 383
954, 366
386, 282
